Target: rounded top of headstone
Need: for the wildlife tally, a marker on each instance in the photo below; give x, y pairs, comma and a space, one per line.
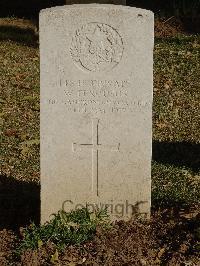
93, 5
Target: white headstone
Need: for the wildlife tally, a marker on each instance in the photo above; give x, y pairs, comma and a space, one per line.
96, 109
114, 2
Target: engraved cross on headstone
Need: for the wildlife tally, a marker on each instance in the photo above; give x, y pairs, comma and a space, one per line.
96, 147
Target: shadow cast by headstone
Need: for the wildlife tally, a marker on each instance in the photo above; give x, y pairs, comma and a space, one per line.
176, 40
19, 203
26, 36
182, 154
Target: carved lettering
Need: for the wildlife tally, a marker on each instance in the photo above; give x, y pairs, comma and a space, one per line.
98, 96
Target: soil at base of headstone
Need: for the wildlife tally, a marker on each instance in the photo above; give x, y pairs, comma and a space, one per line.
162, 241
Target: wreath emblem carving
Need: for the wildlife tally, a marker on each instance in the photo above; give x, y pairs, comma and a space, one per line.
96, 47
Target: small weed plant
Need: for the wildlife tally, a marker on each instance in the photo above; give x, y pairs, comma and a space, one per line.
65, 229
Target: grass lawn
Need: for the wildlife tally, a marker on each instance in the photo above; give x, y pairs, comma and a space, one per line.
176, 126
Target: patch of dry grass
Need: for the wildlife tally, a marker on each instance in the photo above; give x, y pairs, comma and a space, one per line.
19, 109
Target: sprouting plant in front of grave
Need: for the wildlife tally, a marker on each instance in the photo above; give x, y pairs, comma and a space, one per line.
65, 229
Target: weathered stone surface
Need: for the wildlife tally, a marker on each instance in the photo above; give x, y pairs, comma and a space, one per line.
96, 108
114, 2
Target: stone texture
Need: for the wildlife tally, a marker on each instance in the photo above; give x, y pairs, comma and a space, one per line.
114, 2
96, 109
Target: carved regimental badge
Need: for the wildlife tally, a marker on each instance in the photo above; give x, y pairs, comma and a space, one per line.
96, 47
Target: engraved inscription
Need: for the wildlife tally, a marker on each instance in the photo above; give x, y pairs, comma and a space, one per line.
96, 47
94, 83
99, 97
96, 147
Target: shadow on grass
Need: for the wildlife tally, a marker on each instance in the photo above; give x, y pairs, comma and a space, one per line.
26, 36
181, 154
181, 39
19, 203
